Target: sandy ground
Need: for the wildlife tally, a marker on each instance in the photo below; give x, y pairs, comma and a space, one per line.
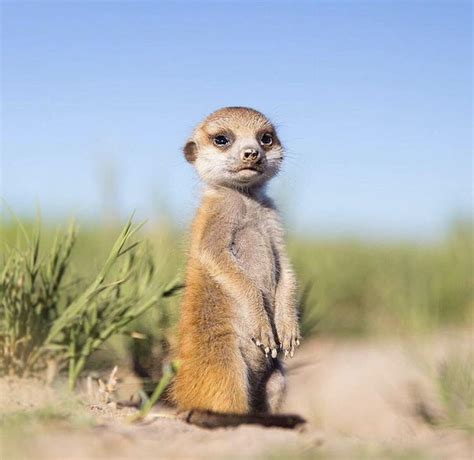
362, 399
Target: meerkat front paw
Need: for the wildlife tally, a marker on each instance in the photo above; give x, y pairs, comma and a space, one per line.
288, 335
263, 337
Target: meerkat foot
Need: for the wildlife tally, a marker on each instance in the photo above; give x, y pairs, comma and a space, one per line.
264, 339
275, 390
289, 338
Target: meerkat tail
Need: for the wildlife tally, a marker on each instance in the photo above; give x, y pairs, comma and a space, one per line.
208, 419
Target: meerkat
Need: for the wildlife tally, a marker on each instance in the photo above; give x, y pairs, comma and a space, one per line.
238, 313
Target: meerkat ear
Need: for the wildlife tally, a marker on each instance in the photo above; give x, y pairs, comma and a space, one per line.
190, 151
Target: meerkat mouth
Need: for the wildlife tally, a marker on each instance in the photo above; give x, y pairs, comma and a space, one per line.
250, 168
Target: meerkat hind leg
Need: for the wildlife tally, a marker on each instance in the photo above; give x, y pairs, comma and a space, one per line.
275, 390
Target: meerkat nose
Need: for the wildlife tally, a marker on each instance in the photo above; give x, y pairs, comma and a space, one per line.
250, 154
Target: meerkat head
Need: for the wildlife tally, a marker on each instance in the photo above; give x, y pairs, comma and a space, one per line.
235, 147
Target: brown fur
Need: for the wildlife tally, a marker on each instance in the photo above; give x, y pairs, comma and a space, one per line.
239, 301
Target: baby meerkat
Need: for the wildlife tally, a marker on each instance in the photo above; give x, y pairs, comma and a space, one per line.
239, 311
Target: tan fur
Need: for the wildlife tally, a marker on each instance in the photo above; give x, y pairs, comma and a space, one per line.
238, 309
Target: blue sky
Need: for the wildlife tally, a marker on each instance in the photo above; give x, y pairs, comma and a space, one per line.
373, 101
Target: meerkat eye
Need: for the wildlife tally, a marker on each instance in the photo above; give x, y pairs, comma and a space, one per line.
267, 139
221, 140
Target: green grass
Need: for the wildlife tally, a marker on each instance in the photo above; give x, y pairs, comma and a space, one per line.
348, 287
25, 420
49, 317
455, 384
357, 288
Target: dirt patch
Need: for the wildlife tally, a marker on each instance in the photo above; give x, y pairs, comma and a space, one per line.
25, 394
362, 399
381, 392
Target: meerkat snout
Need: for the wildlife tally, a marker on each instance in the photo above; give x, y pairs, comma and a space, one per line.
250, 155
235, 147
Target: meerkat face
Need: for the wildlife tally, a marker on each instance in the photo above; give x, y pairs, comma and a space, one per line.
235, 147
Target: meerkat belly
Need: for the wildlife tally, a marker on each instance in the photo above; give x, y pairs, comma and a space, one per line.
254, 252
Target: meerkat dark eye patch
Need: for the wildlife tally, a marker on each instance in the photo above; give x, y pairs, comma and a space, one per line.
220, 140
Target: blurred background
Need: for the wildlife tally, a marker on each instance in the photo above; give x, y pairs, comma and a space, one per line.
373, 102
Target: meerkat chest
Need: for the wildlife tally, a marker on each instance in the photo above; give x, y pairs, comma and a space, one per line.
253, 246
